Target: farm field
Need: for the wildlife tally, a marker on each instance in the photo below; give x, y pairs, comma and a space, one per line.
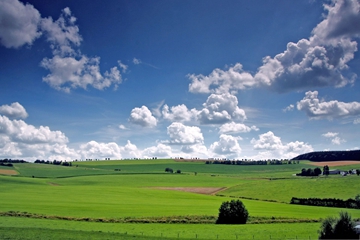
90, 193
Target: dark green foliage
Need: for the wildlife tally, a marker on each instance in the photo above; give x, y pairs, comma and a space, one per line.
169, 170
327, 202
342, 228
330, 156
178, 171
233, 212
309, 172
326, 170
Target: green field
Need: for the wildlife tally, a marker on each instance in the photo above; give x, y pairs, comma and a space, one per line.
74, 202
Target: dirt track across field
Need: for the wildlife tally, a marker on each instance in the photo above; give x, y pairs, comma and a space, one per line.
200, 190
335, 163
8, 172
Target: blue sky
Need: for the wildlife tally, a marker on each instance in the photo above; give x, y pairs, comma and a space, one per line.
207, 79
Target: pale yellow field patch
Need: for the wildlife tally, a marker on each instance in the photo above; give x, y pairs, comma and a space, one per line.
335, 163
200, 190
8, 172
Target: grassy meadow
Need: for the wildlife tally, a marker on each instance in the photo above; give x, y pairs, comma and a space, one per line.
90, 200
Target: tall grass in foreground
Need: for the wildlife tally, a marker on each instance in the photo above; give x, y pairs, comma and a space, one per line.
158, 231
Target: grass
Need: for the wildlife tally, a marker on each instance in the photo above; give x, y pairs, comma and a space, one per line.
66, 229
93, 190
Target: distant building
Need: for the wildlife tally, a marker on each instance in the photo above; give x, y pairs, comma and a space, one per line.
334, 171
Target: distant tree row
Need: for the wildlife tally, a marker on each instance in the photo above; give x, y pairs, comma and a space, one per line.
328, 202
12, 161
251, 162
55, 162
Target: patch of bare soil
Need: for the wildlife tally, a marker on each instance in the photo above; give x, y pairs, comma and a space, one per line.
54, 184
200, 190
335, 163
8, 172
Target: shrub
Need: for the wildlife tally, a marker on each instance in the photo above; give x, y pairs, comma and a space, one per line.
178, 171
233, 212
342, 228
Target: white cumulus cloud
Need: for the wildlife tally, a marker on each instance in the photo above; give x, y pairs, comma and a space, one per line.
271, 146
184, 135
335, 139
179, 113
143, 117
232, 127
317, 109
226, 146
319, 61
221, 108
94, 150
15, 110
18, 23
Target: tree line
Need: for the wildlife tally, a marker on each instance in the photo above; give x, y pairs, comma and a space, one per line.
251, 162
327, 202
9, 162
55, 162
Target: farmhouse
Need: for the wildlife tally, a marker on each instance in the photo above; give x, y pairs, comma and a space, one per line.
357, 228
334, 171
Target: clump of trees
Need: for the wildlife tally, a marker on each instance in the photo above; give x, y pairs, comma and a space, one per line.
170, 170
309, 172
338, 228
233, 212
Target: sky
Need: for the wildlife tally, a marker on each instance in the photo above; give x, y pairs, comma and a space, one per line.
230, 79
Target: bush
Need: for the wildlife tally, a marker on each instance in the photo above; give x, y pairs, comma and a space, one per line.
342, 228
233, 212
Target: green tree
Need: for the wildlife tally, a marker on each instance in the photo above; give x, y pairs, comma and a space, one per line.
342, 228
233, 212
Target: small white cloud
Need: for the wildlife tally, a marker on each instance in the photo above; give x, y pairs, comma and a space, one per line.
289, 108
123, 127
63, 34
330, 134
235, 78
337, 141
357, 121
136, 61
15, 110
334, 138
232, 127
18, 23
123, 67
143, 117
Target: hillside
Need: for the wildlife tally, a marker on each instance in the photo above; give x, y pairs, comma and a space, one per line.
330, 156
